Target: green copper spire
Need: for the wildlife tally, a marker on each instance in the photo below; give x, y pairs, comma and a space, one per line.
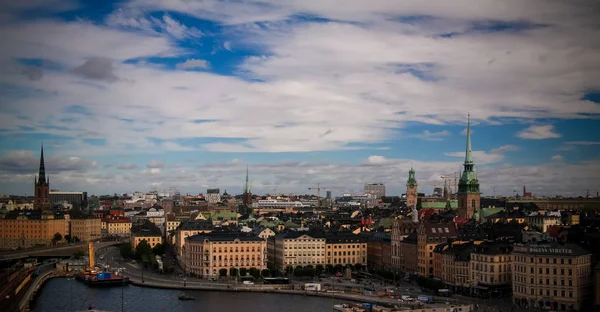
468, 156
412, 180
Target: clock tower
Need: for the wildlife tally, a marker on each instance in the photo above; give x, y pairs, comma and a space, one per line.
411, 189
468, 187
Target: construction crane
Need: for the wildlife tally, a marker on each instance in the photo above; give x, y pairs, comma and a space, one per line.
319, 188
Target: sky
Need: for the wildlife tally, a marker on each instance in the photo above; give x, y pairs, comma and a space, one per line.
180, 94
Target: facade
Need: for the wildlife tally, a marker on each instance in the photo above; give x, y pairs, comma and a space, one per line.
190, 228
345, 249
551, 276
468, 194
42, 187
213, 196
30, 229
409, 254
118, 226
455, 269
542, 222
377, 189
411, 189
491, 267
206, 255
77, 199
400, 230
298, 249
430, 235
86, 229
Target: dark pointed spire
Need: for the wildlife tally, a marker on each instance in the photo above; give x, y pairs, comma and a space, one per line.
468, 156
42, 171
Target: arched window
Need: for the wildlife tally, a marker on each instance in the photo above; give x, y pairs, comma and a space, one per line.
473, 203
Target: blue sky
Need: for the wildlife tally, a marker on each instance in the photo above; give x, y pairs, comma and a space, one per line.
142, 94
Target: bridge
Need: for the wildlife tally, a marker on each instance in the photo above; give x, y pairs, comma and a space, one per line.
60, 251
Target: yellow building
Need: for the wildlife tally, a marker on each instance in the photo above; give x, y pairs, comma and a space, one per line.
345, 249
409, 254
429, 235
25, 229
120, 227
542, 222
551, 275
148, 232
189, 228
205, 255
86, 228
491, 267
298, 249
455, 266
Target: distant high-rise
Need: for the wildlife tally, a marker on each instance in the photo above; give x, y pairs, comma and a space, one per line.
328, 195
42, 186
377, 189
468, 187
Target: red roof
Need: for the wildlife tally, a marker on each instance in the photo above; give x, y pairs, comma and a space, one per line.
460, 221
425, 214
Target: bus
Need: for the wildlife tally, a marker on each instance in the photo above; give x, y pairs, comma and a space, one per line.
276, 280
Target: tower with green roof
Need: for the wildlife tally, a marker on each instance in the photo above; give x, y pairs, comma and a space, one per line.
411, 189
468, 186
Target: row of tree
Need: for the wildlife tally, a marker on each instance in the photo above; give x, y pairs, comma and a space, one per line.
58, 237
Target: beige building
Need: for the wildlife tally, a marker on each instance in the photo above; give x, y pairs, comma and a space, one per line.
86, 229
429, 235
189, 228
298, 249
551, 276
25, 229
207, 254
400, 230
491, 267
120, 227
409, 254
148, 232
455, 268
345, 249
542, 222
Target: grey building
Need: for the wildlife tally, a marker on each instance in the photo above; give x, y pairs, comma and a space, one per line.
77, 199
377, 189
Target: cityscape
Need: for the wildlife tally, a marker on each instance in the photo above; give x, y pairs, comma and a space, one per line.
261, 155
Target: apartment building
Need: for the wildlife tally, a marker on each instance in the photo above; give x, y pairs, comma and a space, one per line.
542, 222
409, 254
551, 276
189, 228
429, 235
30, 228
85, 228
345, 249
455, 269
148, 232
209, 255
298, 249
118, 226
400, 230
491, 267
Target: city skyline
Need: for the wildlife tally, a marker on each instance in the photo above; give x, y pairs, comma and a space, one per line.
139, 94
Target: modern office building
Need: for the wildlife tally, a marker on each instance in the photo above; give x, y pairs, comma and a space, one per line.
377, 189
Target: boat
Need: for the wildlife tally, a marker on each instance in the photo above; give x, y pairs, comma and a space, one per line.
186, 297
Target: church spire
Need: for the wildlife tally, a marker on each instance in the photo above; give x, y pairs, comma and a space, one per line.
42, 170
247, 186
468, 156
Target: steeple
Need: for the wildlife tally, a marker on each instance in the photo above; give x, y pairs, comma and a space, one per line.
42, 171
247, 186
468, 156
412, 180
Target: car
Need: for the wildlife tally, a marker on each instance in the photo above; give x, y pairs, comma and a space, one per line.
248, 283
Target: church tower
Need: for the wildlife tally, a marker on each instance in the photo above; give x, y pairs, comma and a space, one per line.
468, 187
247, 196
411, 189
42, 186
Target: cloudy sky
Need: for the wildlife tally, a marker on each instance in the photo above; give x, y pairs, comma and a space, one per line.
131, 95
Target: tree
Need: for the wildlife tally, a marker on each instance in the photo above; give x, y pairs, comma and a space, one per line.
57, 238
68, 238
243, 271
289, 269
126, 251
358, 267
142, 249
328, 268
75, 239
233, 272
254, 272
223, 272
338, 268
265, 273
159, 249
319, 269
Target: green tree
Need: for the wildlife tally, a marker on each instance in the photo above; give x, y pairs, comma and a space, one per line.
254, 272
68, 238
289, 269
142, 249
358, 267
243, 271
57, 238
75, 239
233, 272
223, 272
328, 268
265, 273
126, 251
338, 268
159, 249
319, 269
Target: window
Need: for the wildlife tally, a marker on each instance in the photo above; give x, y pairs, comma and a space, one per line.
473, 203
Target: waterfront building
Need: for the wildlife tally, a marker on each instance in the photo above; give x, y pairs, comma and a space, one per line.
411, 189
345, 249
468, 194
409, 254
400, 230
551, 276
86, 228
298, 249
455, 268
438, 260
429, 235
491, 267
25, 229
189, 228
209, 255
118, 226
379, 250
148, 232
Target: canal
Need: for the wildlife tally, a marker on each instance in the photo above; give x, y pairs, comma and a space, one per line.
61, 294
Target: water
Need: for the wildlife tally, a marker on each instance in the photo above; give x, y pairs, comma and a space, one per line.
60, 294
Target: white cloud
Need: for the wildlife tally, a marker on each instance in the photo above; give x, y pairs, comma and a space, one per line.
558, 158
135, 19
193, 64
464, 131
432, 136
481, 157
539, 133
